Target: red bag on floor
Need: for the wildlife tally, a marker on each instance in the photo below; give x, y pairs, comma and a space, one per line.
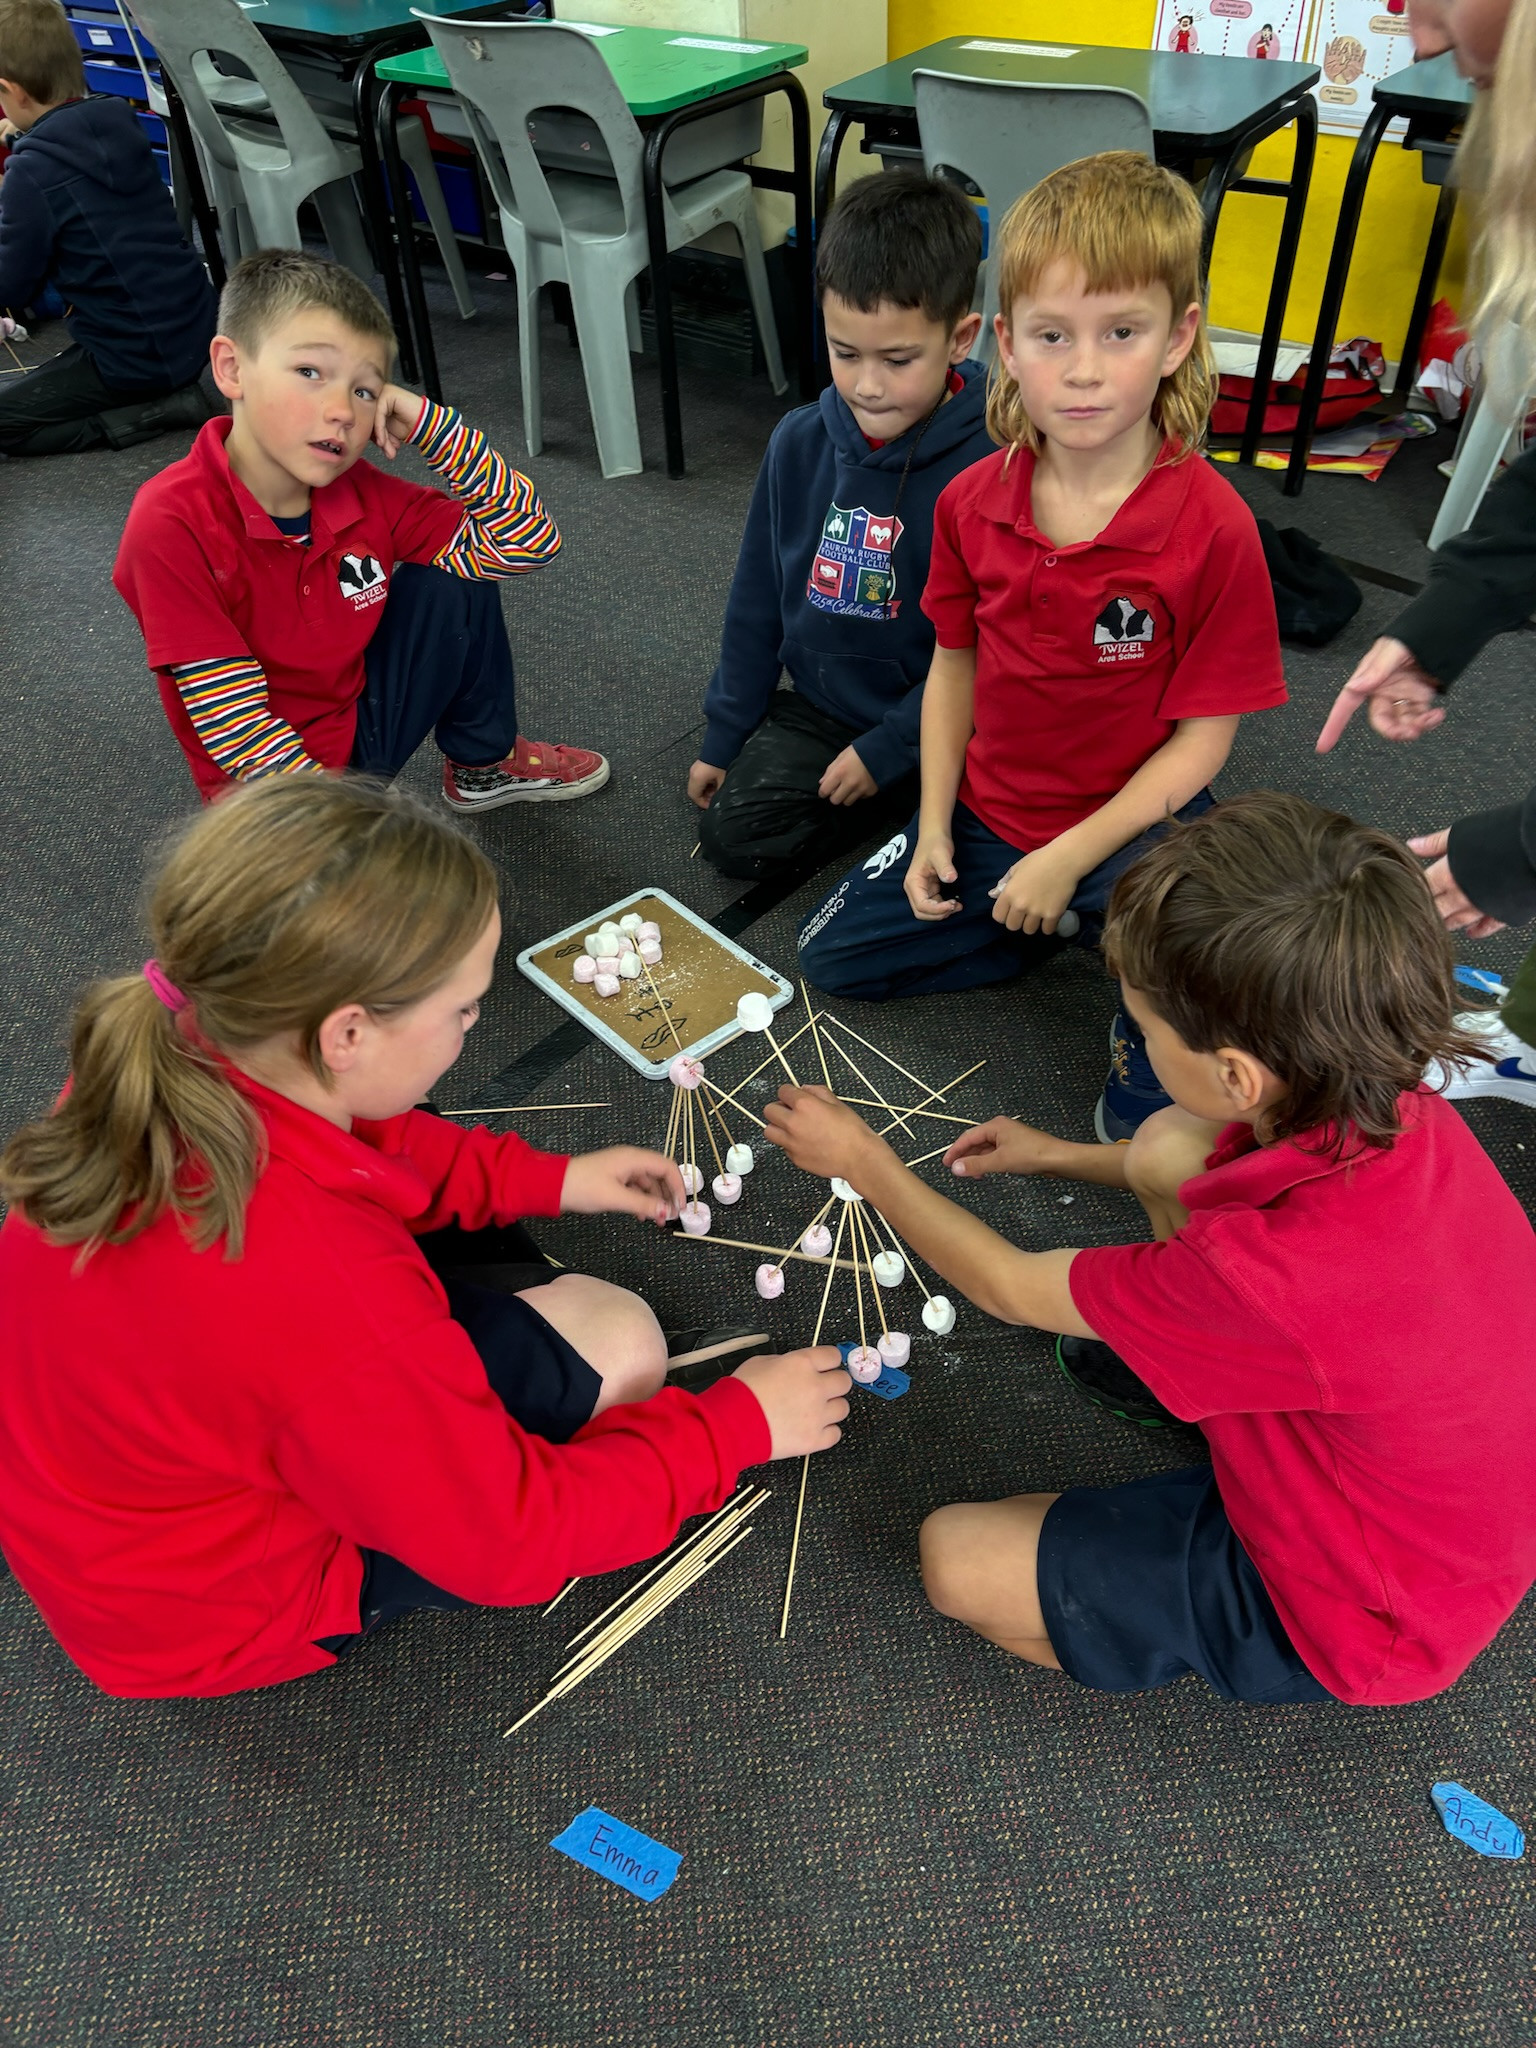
1344, 396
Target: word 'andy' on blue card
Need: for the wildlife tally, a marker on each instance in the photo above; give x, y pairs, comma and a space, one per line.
621, 1854
1473, 1821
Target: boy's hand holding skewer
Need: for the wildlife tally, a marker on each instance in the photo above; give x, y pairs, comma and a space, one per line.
821, 1135
625, 1178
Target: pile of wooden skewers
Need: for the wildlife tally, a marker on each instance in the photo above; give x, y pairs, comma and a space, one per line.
683, 1566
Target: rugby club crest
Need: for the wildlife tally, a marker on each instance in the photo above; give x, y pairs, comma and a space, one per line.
852, 572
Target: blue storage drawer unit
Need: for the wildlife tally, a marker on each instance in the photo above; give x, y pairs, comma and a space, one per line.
110, 75
103, 35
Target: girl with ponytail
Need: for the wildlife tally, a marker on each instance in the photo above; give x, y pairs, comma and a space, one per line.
256, 1395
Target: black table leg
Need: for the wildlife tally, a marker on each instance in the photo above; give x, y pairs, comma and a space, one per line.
838, 124
803, 273
197, 197
661, 296
1429, 277
1285, 265
1333, 294
418, 320
367, 109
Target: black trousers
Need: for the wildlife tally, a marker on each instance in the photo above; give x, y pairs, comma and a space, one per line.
440, 662
64, 408
766, 820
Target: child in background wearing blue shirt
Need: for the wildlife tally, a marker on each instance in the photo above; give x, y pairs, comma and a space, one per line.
835, 553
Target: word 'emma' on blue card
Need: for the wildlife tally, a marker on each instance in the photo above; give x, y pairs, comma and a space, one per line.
1473, 1821
621, 1854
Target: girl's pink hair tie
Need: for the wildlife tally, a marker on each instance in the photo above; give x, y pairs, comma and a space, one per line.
163, 986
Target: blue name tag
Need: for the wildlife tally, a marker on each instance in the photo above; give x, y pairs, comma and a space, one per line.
1473, 1821
890, 1386
621, 1854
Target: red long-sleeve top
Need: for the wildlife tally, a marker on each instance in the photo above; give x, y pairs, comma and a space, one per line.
194, 1448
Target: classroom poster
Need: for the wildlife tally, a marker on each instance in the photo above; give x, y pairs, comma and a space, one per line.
1354, 42
1232, 28
1357, 42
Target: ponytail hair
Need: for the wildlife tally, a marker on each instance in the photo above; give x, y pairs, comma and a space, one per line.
283, 902
1125, 223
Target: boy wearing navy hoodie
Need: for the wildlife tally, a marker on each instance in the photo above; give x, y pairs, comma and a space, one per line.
82, 208
835, 553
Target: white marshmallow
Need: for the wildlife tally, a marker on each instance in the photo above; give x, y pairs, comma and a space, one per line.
650, 952
770, 1282
726, 1188
590, 942
865, 1363
608, 925
754, 1012
605, 946
695, 1218
939, 1315
739, 1159
894, 1346
693, 1180
685, 1073
629, 966
584, 967
889, 1268
631, 922
843, 1191
817, 1241
607, 984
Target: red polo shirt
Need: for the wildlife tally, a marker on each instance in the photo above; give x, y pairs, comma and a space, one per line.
209, 577
1087, 656
193, 1448
1370, 1430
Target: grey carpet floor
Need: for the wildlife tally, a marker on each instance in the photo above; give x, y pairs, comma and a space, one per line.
892, 1835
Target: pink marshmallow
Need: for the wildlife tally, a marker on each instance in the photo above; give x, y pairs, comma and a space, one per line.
685, 1073
817, 1241
894, 1346
865, 1363
650, 930
695, 1218
606, 984
726, 1188
584, 967
650, 952
770, 1282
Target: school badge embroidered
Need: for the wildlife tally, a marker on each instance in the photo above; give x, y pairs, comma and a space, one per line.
853, 571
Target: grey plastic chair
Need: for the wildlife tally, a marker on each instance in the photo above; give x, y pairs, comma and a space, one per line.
265, 149
1005, 137
519, 82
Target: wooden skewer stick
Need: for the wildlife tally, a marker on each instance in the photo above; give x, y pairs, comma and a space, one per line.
566, 1588
861, 1223
644, 1611
725, 1094
938, 1115
709, 1131
805, 1469
858, 1270
889, 1107
677, 1110
585, 1669
769, 1061
784, 1063
928, 1092
693, 851
636, 1610
911, 1263
742, 1493
742, 1244
821, 1051
521, 1108
726, 1344
712, 1108
942, 1094
923, 1158
650, 982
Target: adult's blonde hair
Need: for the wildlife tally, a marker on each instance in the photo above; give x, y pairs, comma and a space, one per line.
1125, 223
1498, 159
277, 906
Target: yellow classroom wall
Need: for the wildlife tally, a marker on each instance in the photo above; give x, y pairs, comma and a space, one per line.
1393, 226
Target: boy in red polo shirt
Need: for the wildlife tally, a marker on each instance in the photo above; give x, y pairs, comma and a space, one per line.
305, 610
1365, 1522
1102, 609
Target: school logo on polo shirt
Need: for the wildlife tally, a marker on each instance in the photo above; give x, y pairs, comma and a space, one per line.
853, 571
361, 578
1122, 631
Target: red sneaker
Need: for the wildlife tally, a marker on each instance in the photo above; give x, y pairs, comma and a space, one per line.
533, 773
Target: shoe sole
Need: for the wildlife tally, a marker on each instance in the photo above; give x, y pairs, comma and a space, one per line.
1492, 1084
1107, 1407
546, 793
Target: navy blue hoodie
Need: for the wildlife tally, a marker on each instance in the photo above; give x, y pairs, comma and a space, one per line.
82, 207
828, 590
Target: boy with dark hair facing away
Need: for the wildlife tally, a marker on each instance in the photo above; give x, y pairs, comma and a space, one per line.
305, 610
835, 552
83, 209
1365, 1522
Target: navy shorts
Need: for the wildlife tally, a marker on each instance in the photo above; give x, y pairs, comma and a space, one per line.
1141, 1583
540, 1378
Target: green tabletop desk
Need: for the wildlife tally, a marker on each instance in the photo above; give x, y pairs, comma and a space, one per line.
669, 78
1435, 100
1208, 114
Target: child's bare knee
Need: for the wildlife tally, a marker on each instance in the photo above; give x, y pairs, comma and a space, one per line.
1159, 1158
635, 1365
943, 1546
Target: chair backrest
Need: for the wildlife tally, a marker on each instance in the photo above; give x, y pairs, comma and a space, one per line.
1005, 137
506, 72
191, 36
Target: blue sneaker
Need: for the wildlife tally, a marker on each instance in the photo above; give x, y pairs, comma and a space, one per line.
1132, 1092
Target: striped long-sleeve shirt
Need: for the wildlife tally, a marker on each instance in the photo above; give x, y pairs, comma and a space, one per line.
505, 531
